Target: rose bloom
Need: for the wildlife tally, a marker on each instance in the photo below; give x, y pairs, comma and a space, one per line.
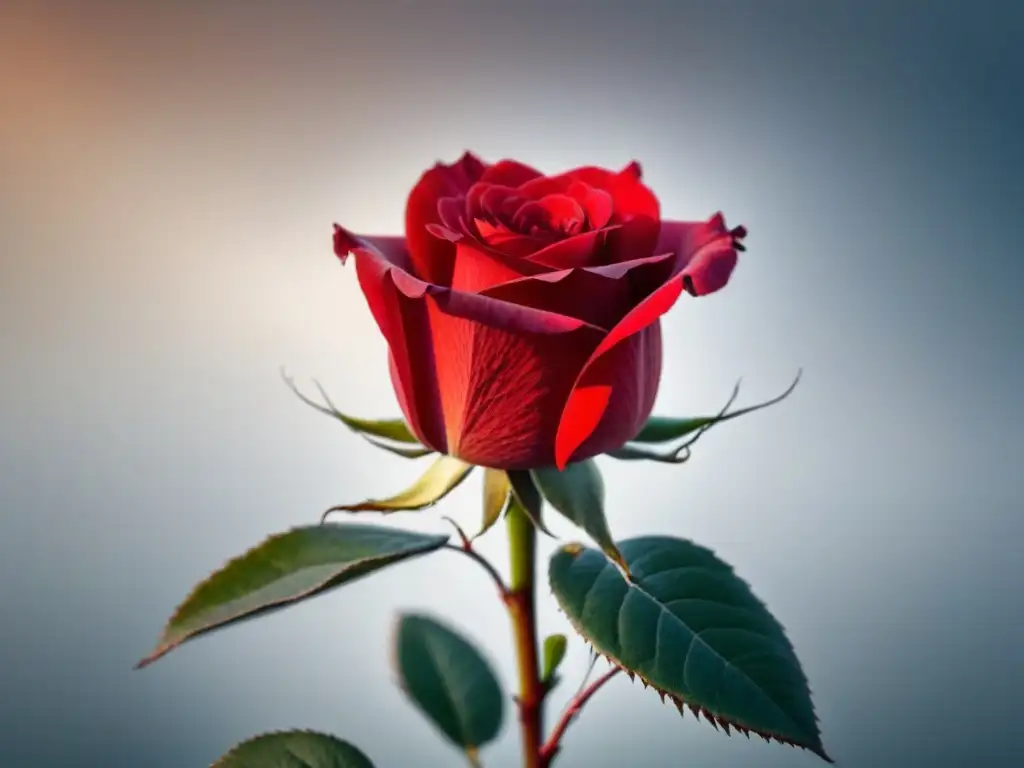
522, 310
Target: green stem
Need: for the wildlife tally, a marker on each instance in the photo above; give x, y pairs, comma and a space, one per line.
522, 548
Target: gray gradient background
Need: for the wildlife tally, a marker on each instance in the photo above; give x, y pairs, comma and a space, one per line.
168, 177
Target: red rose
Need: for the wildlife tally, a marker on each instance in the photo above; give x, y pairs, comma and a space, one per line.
521, 310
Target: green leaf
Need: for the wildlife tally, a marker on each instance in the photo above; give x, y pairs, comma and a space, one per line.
390, 429
496, 492
578, 493
294, 749
287, 568
449, 681
662, 429
440, 479
689, 627
553, 653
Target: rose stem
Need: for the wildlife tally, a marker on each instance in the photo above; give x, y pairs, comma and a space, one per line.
522, 543
550, 749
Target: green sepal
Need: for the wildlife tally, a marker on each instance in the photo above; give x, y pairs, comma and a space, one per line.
285, 569
578, 493
449, 681
406, 452
694, 631
295, 749
663, 429
442, 477
638, 453
528, 497
497, 490
395, 430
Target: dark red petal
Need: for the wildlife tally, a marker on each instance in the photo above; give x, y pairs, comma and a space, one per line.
710, 268
615, 397
393, 249
405, 325
432, 258
509, 173
600, 295
486, 310
579, 251
686, 237
706, 252
503, 387
600, 378
588, 295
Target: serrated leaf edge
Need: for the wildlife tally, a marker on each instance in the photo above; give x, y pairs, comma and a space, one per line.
697, 710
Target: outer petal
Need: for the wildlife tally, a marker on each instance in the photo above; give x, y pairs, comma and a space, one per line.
432, 257
503, 390
578, 251
404, 324
391, 248
706, 252
479, 266
477, 377
615, 391
599, 295
589, 296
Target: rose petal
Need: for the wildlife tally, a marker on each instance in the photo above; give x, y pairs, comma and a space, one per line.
581, 420
564, 213
620, 269
596, 202
630, 195
405, 309
706, 252
485, 309
405, 326
433, 258
686, 237
503, 389
579, 251
493, 201
451, 212
709, 269
488, 311
509, 173
392, 249
598, 299
477, 270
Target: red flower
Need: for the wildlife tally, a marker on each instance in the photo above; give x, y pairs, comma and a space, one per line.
521, 310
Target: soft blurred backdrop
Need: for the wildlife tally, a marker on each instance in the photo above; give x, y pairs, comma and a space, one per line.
169, 174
